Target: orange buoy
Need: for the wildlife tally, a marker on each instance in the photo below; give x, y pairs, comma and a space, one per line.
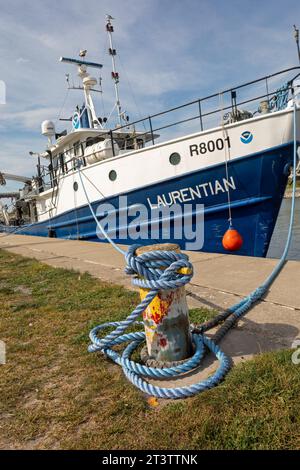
232, 240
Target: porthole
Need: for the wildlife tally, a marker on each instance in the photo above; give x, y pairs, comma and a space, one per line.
112, 175
75, 186
174, 158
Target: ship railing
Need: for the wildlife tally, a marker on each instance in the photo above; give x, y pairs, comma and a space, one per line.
221, 107
211, 111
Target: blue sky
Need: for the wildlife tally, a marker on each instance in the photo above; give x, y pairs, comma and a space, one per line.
170, 51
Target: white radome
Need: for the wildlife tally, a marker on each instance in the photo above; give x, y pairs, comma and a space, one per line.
48, 128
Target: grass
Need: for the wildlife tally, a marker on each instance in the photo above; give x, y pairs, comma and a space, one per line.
54, 395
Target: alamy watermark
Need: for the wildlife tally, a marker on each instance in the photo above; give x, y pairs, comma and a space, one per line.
176, 222
2, 92
2, 352
296, 354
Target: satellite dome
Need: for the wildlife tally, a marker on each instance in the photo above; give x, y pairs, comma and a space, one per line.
48, 128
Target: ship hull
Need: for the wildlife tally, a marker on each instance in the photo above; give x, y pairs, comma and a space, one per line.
251, 188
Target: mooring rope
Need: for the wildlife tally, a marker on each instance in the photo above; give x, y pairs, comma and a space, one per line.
161, 270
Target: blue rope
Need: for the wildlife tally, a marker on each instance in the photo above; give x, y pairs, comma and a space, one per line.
245, 304
116, 247
148, 266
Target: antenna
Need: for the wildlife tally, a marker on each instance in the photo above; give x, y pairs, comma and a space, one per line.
296, 36
80, 62
114, 74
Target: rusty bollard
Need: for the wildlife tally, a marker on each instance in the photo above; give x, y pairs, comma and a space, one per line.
166, 319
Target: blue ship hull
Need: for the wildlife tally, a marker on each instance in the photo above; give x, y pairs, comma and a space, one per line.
260, 181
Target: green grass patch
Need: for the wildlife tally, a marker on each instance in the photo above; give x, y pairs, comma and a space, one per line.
201, 315
56, 395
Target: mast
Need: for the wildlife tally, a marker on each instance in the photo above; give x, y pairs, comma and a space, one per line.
115, 75
88, 84
296, 36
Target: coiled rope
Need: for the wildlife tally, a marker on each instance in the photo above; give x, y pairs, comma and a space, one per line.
159, 270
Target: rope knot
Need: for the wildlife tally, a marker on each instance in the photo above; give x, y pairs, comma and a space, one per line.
159, 269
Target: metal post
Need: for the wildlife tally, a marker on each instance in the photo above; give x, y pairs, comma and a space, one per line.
39, 167
151, 130
267, 87
233, 102
40, 179
112, 143
200, 114
51, 170
166, 319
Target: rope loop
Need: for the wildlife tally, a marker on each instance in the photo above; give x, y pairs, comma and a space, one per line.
158, 269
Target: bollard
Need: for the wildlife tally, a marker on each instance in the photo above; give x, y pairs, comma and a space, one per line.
166, 319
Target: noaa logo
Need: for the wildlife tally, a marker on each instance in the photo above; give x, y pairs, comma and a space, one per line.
246, 137
76, 121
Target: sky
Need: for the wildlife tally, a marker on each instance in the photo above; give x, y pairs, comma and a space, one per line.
169, 52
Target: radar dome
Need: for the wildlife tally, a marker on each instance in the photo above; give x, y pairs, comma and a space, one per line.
89, 81
48, 128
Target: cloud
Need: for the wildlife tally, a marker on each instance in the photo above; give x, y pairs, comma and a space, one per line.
21, 60
168, 51
30, 119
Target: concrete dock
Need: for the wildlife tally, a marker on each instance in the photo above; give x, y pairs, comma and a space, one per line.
219, 281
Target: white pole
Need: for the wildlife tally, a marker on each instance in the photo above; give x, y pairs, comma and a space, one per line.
87, 105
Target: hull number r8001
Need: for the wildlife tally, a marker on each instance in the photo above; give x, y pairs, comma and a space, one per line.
209, 146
